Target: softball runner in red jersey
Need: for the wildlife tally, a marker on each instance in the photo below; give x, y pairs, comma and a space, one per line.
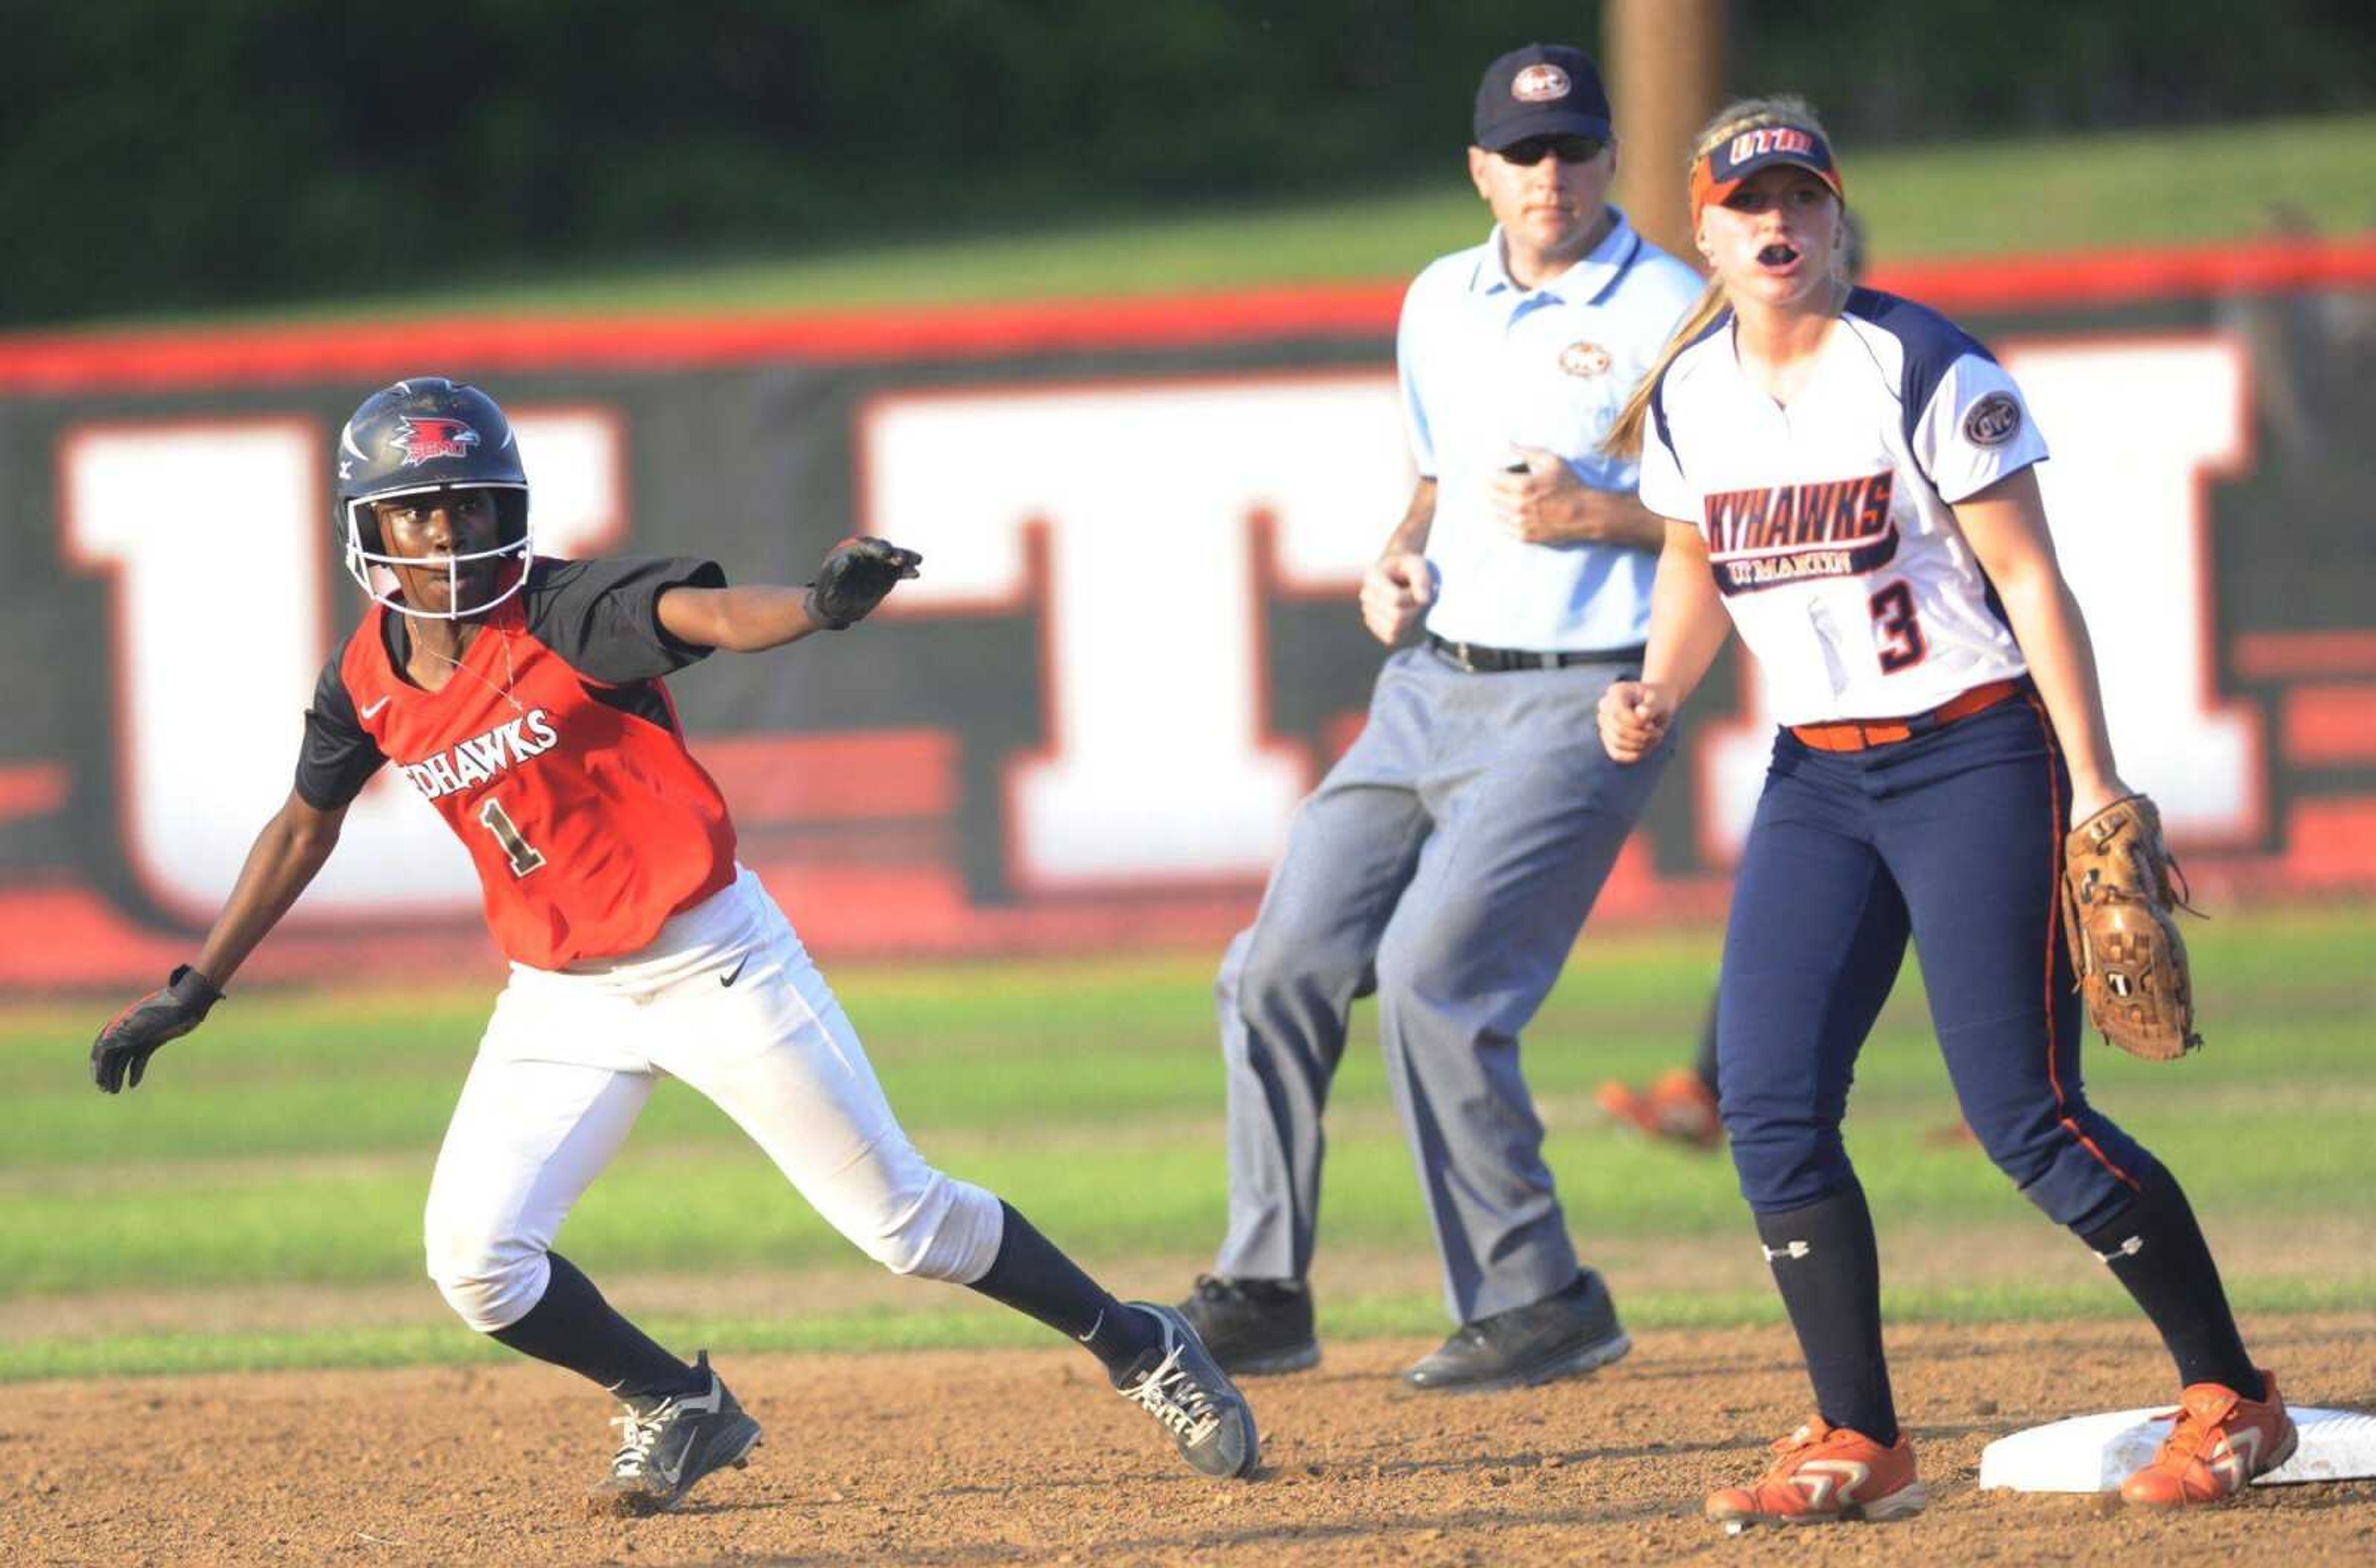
524, 698
1847, 478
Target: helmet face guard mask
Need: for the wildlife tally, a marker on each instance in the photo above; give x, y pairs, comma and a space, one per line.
429, 435
368, 559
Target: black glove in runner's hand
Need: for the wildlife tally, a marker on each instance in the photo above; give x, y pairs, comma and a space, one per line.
856, 575
121, 1052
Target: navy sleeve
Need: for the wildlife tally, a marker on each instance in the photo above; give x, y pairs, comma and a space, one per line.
1662, 487
602, 617
339, 757
1932, 344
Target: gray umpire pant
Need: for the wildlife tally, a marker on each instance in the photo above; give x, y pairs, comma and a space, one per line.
1446, 864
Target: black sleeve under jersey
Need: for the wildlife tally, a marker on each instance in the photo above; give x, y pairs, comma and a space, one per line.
339, 759
603, 616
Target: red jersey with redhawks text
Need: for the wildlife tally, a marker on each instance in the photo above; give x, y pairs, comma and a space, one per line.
553, 751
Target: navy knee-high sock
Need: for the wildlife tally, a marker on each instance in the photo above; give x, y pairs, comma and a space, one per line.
1041, 1282
571, 1325
1828, 1268
2156, 1249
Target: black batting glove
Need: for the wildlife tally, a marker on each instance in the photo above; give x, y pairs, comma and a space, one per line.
121, 1052
856, 575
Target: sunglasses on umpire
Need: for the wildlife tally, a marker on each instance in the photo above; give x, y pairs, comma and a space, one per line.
1567, 149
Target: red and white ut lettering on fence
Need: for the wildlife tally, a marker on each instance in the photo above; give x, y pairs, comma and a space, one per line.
1158, 767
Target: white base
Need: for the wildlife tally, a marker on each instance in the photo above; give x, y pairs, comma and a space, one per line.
2097, 1453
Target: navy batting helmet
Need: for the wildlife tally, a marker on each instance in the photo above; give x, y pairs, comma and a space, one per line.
424, 435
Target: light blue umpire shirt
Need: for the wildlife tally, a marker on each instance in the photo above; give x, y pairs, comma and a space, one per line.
1489, 367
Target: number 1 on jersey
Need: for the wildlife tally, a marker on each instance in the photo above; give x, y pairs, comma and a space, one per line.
1892, 612
525, 856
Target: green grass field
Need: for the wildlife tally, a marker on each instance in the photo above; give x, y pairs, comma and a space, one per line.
257, 1203
285, 1152
2183, 186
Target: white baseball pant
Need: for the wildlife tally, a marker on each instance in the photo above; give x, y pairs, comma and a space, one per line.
728, 1000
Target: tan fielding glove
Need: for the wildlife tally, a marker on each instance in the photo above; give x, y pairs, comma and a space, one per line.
2117, 897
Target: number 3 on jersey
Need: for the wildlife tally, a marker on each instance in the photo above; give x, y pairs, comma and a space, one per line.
1893, 612
525, 856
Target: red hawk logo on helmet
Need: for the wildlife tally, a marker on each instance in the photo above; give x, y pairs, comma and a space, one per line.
423, 439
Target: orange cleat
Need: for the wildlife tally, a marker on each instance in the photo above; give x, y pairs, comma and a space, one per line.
1679, 1107
1957, 1133
2222, 1439
1825, 1474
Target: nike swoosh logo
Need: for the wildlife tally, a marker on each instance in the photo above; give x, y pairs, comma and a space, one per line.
375, 707
736, 972
1092, 1334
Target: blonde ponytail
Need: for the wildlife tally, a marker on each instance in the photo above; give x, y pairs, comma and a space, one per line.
1625, 437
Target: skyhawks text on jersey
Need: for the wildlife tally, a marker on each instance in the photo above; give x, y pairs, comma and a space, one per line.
1790, 532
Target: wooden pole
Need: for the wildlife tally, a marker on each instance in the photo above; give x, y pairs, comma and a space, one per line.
1664, 61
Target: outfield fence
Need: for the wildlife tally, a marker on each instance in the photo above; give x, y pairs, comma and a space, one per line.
1134, 646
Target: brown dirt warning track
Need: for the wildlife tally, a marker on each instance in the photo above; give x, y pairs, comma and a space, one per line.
1010, 1457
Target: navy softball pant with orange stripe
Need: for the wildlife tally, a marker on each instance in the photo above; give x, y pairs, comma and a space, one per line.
1952, 837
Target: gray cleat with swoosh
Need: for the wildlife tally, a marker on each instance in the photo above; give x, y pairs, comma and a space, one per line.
666, 1449
1194, 1400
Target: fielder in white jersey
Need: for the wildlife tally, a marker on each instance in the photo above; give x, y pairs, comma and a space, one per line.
1830, 524
1848, 480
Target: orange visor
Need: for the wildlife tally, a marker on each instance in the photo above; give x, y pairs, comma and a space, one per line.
1723, 167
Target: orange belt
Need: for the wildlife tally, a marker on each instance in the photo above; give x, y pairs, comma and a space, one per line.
1856, 734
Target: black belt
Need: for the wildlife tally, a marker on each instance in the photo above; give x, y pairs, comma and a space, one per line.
1479, 660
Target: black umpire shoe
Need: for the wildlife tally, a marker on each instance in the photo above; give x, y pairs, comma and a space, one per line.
1559, 1336
673, 1445
1254, 1326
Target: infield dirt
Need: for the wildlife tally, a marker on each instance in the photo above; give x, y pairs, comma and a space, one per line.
993, 1457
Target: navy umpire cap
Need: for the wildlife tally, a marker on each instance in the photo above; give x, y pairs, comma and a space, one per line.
1544, 90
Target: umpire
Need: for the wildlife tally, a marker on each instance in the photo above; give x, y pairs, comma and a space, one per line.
1448, 861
